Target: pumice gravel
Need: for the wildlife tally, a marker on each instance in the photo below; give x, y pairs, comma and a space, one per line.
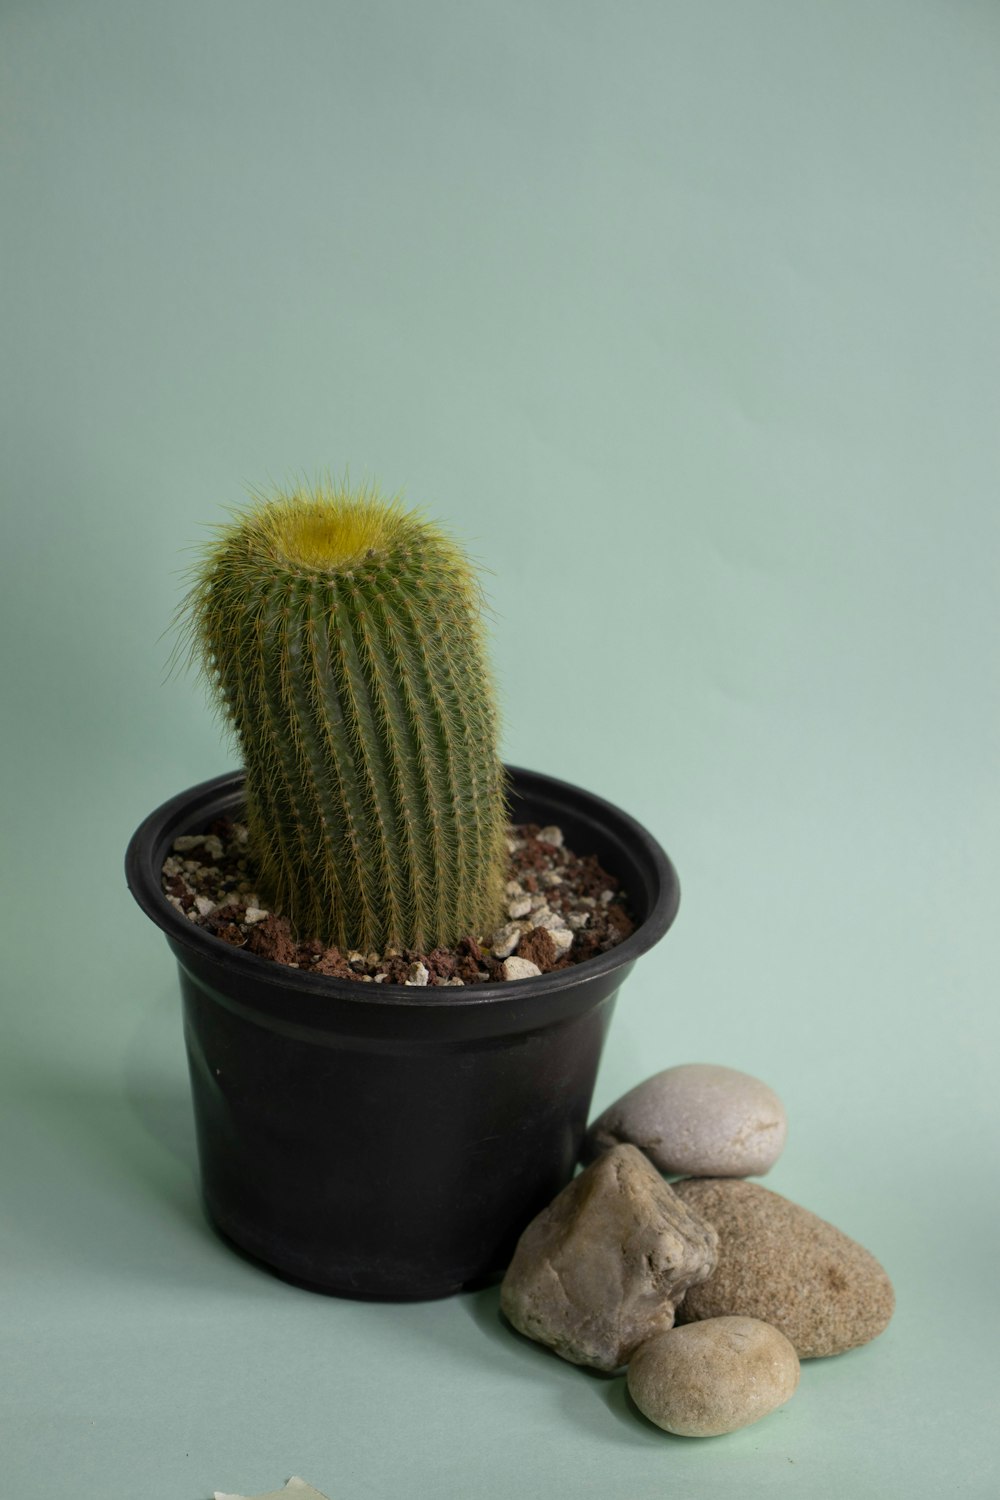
561, 909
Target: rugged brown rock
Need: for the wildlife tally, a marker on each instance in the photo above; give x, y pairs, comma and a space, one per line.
603, 1267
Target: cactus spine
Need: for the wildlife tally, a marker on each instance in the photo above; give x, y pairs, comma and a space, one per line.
342, 639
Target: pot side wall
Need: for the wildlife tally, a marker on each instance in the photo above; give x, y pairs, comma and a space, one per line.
385, 1171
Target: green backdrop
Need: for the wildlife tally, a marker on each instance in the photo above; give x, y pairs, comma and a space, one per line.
686, 318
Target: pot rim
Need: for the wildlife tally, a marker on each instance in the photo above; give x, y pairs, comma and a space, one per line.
151, 841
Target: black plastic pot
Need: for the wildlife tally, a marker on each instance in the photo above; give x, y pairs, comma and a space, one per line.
391, 1141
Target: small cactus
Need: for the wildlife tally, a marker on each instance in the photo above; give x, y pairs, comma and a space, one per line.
342, 639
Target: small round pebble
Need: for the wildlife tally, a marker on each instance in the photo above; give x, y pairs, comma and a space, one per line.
708, 1378
697, 1120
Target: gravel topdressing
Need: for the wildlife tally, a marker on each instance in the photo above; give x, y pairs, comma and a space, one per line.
561, 909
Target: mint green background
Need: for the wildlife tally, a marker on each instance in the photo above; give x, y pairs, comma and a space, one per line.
686, 318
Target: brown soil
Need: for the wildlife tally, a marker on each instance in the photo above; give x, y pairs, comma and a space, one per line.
211, 879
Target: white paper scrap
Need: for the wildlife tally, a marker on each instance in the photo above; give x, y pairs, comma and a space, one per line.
295, 1489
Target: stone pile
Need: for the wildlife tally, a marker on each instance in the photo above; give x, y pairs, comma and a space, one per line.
754, 1282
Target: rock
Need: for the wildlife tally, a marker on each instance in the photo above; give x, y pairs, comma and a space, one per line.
417, 974
295, 1489
519, 968
697, 1120
505, 941
713, 1377
211, 844
544, 916
780, 1263
537, 946
562, 939
519, 907
602, 1268
255, 914
272, 938
551, 835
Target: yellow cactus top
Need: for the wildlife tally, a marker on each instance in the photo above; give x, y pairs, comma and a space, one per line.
328, 529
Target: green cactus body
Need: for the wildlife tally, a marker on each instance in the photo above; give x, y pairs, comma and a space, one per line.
342, 637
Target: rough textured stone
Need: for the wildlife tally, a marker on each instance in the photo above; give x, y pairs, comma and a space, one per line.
603, 1267
697, 1120
562, 939
780, 1263
295, 1489
713, 1377
544, 916
538, 948
520, 968
505, 941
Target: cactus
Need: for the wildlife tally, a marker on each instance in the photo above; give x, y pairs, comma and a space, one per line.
342, 639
